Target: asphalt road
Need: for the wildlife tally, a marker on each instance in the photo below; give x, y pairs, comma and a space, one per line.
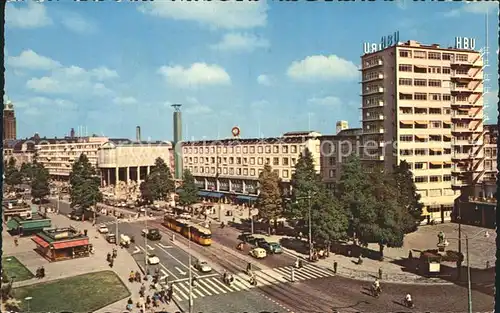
228, 237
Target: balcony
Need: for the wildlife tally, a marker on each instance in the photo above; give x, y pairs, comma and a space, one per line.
375, 117
373, 91
461, 142
368, 157
459, 128
460, 88
374, 131
372, 65
377, 104
458, 169
374, 78
460, 156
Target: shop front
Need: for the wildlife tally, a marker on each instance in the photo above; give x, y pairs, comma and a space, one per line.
26, 226
62, 244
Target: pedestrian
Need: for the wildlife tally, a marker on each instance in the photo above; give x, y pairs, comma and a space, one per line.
380, 273
410, 255
335, 265
111, 263
16, 241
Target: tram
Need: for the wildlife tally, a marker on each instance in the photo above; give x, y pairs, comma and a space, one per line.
188, 229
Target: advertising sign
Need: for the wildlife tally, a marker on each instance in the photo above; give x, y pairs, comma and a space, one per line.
385, 42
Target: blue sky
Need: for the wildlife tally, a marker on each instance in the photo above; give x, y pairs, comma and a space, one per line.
267, 67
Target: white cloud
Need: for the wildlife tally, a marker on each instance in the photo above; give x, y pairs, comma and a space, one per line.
264, 80
227, 15
194, 107
124, 100
329, 101
320, 67
474, 8
32, 15
45, 103
77, 23
73, 80
196, 75
29, 59
240, 42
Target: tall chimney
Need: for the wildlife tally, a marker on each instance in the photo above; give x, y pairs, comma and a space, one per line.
72, 133
177, 149
138, 133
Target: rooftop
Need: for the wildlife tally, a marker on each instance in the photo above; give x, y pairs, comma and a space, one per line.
415, 44
34, 217
61, 234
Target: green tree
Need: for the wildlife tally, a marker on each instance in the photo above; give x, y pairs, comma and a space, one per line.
146, 192
407, 196
189, 192
329, 222
270, 200
160, 180
84, 182
305, 182
27, 171
40, 182
13, 177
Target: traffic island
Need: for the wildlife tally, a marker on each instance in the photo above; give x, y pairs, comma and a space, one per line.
83, 293
13, 269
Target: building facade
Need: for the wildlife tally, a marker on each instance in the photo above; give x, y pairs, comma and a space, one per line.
424, 104
490, 153
233, 166
130, 161
9, 121
59, 155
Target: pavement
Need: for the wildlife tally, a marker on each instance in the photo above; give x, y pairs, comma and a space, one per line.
63, 269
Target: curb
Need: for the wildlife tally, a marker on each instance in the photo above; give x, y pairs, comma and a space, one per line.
179, 306
412, 282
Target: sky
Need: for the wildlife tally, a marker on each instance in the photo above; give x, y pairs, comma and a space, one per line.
267, 67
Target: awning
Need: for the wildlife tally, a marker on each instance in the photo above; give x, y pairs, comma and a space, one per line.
448, 163
12, 224
39, 241
447, 136
70, 244
406, 122
422, 136
40, 224
422, 122
203, 193
447, 122
246, 198
215, 195
436, 149
437, 163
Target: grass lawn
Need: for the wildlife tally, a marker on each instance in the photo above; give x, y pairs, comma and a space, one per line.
83, 293
12, 267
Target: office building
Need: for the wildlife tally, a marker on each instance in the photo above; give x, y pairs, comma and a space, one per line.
232, 166
424, 104
9, 121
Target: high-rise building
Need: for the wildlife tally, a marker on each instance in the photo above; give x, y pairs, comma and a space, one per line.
424, 104
9, 121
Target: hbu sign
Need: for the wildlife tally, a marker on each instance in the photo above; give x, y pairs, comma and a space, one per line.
465, 43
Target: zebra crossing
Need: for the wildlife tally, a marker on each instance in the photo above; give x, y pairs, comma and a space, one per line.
210, 286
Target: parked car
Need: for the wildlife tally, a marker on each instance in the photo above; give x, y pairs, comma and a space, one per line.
152, 233
153, 259
272, 247
258, 253
202, 266
246, 237
103, 229
259, 241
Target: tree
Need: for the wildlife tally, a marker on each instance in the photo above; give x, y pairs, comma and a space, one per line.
40, 182
146, 192
84, 182
27, 171
160, 181
270, 198
408, 197
305, 182
329, 222
12, 175
189, 192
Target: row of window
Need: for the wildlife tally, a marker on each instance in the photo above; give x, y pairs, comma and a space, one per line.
244, 149
432, 97
433, 178
436, 193
424, 125
422, 82
424, 138
249, 172
284, 161
424, 152
432, 55
430, 111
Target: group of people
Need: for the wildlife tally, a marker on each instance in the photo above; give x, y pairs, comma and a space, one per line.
111, 257
40, 272
227, 278
376, 289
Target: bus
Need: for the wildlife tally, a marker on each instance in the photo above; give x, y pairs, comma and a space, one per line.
197, 233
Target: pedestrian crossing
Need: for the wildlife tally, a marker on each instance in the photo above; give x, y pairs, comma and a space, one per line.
210, 286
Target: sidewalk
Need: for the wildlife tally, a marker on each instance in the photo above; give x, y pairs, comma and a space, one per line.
124, 264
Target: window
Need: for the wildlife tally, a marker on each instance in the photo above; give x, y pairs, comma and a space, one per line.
406, 138
276, 149
420, 82
447, 56
405, 110
434, 83
294, 161
252, 161
252, 172
231, 160
435, 124
405, 96
419, 54
276, 161
238, 171
405, 53
435, 69
231, 171
285, 173
462, 57
245, 161
212, 170
238, 160
225, 149
252, 149
434, 56
293, 149
201, 170
245, 171
446, 70
260, 149
405, 67
420, 152
435, 96
267, 161
260, 161
212, 150
434, 111
268, 149
446, 97
420, 96
285, 161
446, 177
245, 149
419, 166
405, 152
405, 81
420, 179
420, 69
238, 150
285, 149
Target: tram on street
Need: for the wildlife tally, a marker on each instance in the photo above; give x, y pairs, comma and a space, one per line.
196, 233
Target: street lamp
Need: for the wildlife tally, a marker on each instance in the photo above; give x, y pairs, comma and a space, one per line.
28, 299
308, 197
145, 239
190, 273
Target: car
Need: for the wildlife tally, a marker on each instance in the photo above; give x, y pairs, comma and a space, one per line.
246, 237
185, 216
103, 229
202, 266
275, 248
258, 253
153, 259
259, 241
151, 233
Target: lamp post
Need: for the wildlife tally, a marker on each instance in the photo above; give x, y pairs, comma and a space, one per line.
145, 240
308, 197
190, 273
28, 299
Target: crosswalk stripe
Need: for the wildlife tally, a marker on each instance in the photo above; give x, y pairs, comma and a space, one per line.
300, 276
320, 270
261, 276
197, 290
240, 284
216, 286
234, 286
177, 297
200, 286
283, 271
187, 290
242, 279
204, 283
276, 275
224, 286
311, 272
178, 290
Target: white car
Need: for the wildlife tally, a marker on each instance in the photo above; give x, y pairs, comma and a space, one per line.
153, 259
202, 266
103, 229
185, 216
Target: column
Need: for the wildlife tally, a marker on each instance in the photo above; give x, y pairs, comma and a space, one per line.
243, 187
230, 185
138, 174
206, 183
108, 170
217, 184
127, 174
148, 169
117, 175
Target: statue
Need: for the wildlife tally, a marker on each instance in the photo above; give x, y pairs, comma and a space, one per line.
441, 238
